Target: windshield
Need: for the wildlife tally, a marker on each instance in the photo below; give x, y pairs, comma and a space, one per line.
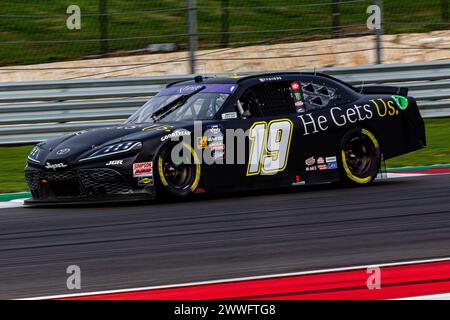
192, 102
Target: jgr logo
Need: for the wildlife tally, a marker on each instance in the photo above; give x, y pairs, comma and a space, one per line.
115, 163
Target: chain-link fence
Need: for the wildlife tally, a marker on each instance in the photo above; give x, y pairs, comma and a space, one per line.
38, 32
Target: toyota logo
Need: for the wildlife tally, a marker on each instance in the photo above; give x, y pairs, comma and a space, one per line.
63, 151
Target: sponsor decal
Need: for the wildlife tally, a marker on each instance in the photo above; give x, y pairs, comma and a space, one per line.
332, 165
229, 115
55, 166
145, 181
277, 78
202, 142
295, 86
115, 163
188, 89
328, 163
298, 181
217, 147
310, 161
299, 105
127, 127
143, 169
402, 102
176, 134
200, 190
330, 159
384, 109
217, 154
215, 129
61, 152
216, 88
215, 139
157, 127
341, 116
214, 135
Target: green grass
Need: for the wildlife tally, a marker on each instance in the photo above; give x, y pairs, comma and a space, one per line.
13, 159
139, 23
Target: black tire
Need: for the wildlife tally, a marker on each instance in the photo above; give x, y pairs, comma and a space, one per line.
359, 157
177, 179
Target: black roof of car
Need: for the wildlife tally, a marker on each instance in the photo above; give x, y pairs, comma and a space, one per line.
210, 80
232, 79
239, 78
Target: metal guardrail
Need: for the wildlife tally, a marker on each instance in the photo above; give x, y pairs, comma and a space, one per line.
34, 111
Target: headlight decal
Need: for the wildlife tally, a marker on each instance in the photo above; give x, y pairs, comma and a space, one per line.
34, 154
114, 149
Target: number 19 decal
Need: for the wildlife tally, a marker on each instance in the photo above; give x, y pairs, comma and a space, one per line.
269, 146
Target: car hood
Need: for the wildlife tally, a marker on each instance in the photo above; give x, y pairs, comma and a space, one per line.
71, 147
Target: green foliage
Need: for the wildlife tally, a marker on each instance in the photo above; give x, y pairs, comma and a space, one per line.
13, 161
28, 30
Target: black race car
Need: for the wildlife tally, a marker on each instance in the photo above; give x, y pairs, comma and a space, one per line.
230, 134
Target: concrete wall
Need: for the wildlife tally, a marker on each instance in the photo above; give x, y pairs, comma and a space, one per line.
355, 51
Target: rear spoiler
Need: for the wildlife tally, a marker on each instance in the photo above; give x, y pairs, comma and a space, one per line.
401, 91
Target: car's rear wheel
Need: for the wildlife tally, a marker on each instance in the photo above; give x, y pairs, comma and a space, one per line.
359, 157
178, 173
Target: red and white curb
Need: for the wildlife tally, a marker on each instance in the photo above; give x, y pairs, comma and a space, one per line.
17, 203
403, 172
444, 296
393, 175
421, 279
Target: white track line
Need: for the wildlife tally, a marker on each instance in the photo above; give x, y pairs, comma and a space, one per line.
394, 175
280, 275
442, 296
17, 203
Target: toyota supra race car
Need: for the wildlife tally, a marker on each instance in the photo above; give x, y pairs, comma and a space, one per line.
231, 134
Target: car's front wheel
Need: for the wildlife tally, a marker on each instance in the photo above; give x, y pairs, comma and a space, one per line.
359, 157
179, 170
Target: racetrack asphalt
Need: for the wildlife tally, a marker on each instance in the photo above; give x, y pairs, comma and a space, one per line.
222, 237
